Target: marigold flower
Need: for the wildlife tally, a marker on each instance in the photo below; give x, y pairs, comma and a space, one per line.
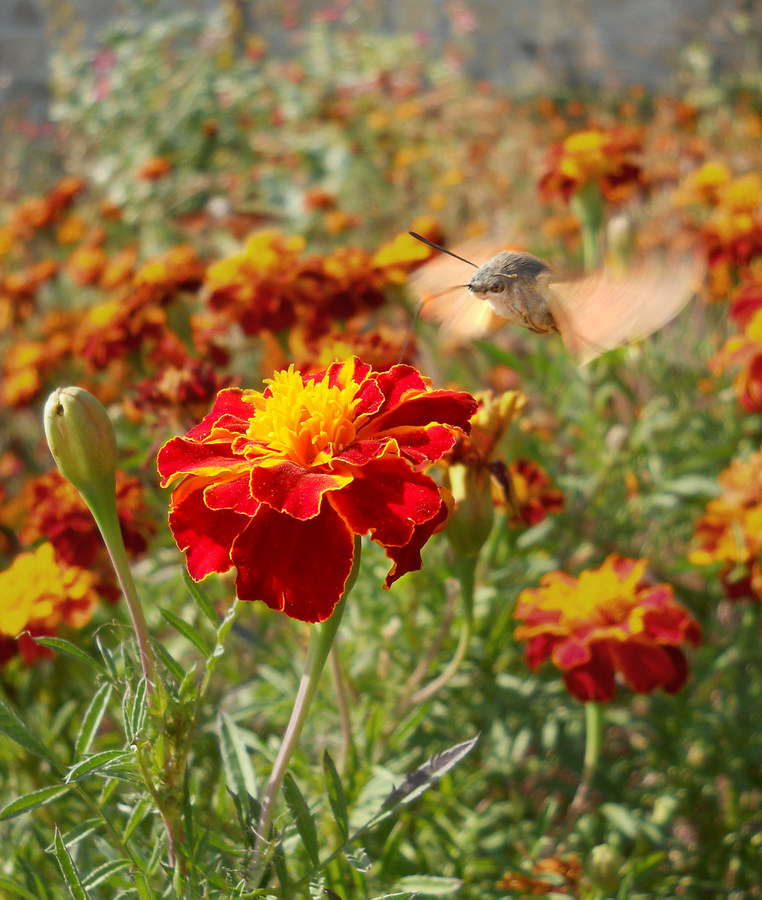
277, 484
37, 594
730, 531
529, 494
154, 168
54, 510
608, 621
744, 350
605, 158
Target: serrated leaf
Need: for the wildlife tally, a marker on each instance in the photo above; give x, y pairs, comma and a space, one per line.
105, 760
204, 603
31, 801
174, 667
93, 718
188, 631
430, 885
139, 706
427, 774
102, 873
68, 869
239, 773
14, 727
82, 831
302, 817
59, 645
336, 795
139, 812
108, 659
358, 858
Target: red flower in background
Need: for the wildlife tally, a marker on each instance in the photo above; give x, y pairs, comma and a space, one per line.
608, 621
277, 484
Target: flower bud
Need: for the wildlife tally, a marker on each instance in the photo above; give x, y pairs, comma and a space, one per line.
81, 439
604, 868
470, 524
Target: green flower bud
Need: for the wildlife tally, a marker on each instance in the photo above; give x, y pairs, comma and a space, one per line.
81, 439
470, 524
604, 868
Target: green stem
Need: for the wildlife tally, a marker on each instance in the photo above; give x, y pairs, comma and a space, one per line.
593, 744
321, 640
465, 569
103, 508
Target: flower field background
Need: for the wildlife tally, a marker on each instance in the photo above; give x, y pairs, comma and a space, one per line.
539, 582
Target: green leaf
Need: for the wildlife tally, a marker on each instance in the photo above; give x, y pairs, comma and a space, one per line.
427, 774
204, 603
358, 858
106, 760
174, 667
336, 795
92, 719
186, 630
139, 812
108, 659
68, 869
302, 817
430, 885
83, 830
239, 773
139, 706
9, 888
61, 646
14, 727
31, 801
102, 873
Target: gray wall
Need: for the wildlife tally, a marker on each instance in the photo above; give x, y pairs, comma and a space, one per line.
524, 44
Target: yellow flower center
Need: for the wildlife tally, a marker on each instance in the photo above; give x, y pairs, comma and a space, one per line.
306, 423
603, 598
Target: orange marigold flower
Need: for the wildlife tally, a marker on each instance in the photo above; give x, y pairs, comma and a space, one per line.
595, 156
112, 329
529, 494
54, 510
27, 364
730, 531
608, 621
277, 484
154, 168
37, 594
744, 350
86, 264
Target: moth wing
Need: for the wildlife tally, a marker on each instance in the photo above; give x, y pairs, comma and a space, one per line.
603, 310
460, 313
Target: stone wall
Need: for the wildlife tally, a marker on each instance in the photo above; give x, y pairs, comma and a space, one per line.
524, 44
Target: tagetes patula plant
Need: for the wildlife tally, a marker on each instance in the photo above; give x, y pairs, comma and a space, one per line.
610, 621
278, 483
745, 351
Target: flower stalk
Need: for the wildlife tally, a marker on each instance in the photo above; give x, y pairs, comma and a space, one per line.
322, 636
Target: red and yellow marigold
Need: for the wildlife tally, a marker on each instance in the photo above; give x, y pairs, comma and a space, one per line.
37, 594
608, 621
277, 484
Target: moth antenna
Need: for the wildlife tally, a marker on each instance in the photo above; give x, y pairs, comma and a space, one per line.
423, 240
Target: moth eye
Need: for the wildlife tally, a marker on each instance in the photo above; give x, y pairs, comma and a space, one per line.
497, 287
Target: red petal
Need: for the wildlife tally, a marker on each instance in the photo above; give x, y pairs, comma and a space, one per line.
204, 535
293, 489
299, 567
644, 666
408, 558
179, 456
388, 499
234, 495
228, 406
570, 652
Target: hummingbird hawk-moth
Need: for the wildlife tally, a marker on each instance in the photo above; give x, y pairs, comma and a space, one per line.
593, 314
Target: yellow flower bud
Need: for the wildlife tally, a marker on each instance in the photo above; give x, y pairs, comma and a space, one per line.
81, 439
471, 523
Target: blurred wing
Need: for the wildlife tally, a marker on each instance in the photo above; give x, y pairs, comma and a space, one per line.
603, 310
439, 287
460, 313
